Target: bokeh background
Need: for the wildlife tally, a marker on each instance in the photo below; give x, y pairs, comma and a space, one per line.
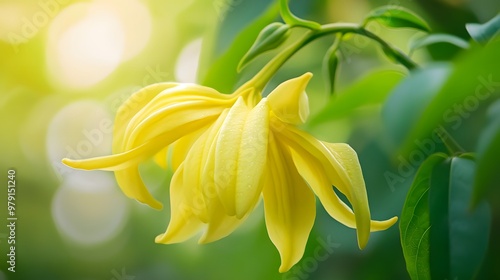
66, 66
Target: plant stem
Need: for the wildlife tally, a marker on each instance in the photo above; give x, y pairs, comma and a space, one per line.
267, 72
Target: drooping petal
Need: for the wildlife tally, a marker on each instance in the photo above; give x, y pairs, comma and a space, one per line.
315, 175
132, 186
252, 157
336, 167
289, 100
289, 206
349, 163
226, 155
183, 223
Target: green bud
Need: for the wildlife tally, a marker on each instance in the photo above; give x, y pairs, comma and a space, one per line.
271, 37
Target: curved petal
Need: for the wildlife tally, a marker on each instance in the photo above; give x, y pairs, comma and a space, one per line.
313, 172
220, 224
252, 157
192, 191
226, 155
131, 184
169, 118
131, 106
342, 169
183, 223
289, 100
133, 156
181, 147
289, 207
198, 157
348, 160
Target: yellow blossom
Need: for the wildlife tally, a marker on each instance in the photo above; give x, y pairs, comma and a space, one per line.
228, 151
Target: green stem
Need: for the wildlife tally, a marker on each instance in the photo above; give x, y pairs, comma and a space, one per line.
360, 30
268, 71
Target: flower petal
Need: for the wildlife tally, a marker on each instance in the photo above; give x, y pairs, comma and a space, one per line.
133, 156
183, 223
289, 207
348, 160
130, 108
220, 224
160, 158
132, 186
168, 119
289, 100
252, 157
197, 195
342, 168
181, 147
315, 175
226, 155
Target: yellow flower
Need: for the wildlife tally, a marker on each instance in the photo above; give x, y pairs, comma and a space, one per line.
229, 150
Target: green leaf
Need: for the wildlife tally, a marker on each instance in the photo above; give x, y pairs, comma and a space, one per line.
437, 38
474, 79
369, 90
408, 100
414, 223
222, 75
436, 223
439, 219
466, 225
396, 16
271, 37
488, 153
453, 224
330, 64
482, 33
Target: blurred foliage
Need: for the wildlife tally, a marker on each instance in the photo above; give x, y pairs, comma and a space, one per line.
391, 116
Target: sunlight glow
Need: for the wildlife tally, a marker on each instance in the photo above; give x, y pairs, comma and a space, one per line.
88, 41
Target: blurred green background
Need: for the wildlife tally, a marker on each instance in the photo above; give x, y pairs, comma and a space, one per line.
66, 66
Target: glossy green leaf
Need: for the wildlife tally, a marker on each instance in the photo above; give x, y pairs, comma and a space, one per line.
466, 225
271, 37
369, 90
439, 219
396, 16
474, 79
488, 152
222, 75
409, 99
414, 223
482, 33
435, 39
454, 225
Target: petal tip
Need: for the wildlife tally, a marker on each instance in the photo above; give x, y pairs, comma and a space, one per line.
153, 203
160, 238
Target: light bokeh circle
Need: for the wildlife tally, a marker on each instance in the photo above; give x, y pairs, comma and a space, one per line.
89, 209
